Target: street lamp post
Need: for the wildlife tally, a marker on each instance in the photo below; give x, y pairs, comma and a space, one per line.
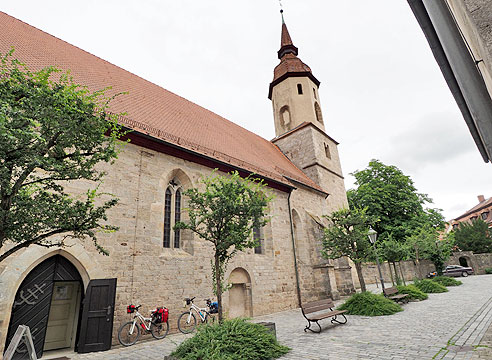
373, 235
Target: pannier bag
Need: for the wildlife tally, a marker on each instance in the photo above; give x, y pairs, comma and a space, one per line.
130, 309
160, 315
214, 307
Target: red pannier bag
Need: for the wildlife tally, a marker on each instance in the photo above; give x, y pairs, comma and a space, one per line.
160, 315
130, 309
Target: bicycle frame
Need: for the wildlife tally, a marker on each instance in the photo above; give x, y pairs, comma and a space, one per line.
143, 320
202, 312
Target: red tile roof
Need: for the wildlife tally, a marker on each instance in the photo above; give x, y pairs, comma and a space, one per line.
152, 109
479, 206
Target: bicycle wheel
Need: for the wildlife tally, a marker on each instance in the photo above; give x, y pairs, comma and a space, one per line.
184, 325
127, 338
159, 331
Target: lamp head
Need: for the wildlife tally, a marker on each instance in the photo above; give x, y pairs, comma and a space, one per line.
372, 234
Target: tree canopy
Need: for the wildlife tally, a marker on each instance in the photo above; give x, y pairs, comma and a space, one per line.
225, 213
51, 132
476, 237
425, 244
390, 196
347, 236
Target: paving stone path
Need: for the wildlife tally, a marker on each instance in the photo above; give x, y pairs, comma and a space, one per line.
446, 326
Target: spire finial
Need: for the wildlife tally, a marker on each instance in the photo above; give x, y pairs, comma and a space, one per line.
281, 11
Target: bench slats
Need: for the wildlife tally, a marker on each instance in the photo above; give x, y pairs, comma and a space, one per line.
318, 305
326, 315
390, 291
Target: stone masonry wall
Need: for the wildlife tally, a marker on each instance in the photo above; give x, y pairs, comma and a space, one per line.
151, 275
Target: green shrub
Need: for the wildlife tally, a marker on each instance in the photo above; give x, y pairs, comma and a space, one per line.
369, 304
488, 270
429, 286
233, 339
413, 292
447, 281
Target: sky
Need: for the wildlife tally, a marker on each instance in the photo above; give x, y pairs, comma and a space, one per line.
382, 94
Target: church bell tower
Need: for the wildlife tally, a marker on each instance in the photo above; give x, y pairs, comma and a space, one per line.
299, 124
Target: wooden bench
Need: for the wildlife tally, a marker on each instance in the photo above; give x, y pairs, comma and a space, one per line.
312, 312
390, 294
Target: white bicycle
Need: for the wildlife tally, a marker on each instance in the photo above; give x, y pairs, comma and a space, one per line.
129, 332
187, 320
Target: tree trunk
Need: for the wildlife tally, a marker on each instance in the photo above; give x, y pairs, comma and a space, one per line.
402, 274
397, 278
218, 285
391, 273
358, 267
417, 262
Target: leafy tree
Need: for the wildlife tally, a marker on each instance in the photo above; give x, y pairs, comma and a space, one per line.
347, 236
225, 213
393, 251
476, 237
51, 132
425, 244
390, 196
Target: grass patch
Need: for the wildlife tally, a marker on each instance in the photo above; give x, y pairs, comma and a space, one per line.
369, 304
233, 339
429, 286
447, 281
413, 292
488, 270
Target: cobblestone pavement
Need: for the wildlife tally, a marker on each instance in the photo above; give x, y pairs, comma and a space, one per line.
446, 326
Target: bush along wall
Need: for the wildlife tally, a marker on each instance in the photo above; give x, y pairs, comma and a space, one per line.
429, 286
369, 304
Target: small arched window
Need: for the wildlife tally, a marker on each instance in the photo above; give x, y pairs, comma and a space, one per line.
172, 215
327, 151
299, 89
317, 110
484, 215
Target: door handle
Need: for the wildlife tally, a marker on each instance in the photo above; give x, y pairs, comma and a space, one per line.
108, 310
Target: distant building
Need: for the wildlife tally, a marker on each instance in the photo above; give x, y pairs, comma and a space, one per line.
459, 33
482, 210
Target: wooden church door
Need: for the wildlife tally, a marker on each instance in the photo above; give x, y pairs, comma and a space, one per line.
97, 316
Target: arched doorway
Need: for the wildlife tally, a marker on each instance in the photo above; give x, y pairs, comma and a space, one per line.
240, 304
48, 301
463, 261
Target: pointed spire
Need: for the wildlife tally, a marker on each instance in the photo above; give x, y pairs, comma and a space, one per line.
286, 45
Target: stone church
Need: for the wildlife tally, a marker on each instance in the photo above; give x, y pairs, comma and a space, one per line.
75, 298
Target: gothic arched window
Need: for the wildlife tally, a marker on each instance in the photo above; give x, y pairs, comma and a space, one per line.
284, 116
172, 215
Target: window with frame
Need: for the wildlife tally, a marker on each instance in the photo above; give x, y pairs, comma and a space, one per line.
257, 235
172, 215
484, 215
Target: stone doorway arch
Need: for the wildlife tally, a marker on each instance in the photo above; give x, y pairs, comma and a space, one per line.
48, 301
464, 261
240, 300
